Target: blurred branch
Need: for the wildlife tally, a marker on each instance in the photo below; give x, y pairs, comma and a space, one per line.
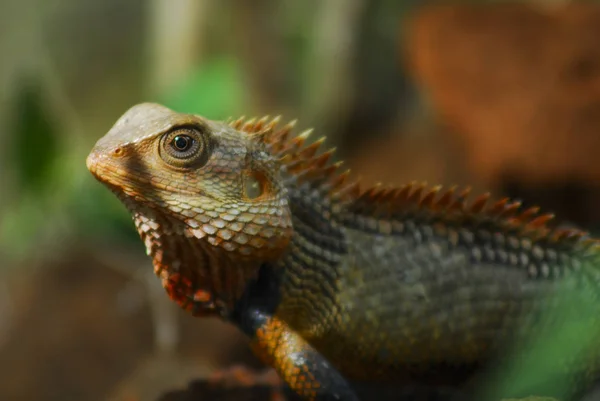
175, 40
329, 76
164, 318
157, 375
259, 42
138, 267
6, 313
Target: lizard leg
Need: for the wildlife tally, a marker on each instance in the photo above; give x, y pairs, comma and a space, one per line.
302, 367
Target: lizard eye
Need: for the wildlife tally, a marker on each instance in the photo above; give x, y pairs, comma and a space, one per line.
182, 143
183, 147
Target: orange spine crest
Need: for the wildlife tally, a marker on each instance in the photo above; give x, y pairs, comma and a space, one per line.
306, 164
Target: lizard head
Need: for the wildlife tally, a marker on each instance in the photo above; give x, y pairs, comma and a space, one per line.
206, 198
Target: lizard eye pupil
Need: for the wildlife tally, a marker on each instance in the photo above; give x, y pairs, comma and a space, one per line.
182, 142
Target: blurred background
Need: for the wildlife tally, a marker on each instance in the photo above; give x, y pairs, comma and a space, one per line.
502, 96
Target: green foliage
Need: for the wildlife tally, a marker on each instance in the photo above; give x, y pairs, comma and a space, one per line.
100, 214
33, 141
33, 155
54, 193
551, 356
215, 90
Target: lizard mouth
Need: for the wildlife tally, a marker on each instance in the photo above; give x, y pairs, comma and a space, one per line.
97, 164
113, 177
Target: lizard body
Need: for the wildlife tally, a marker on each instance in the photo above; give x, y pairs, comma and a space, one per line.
333, 284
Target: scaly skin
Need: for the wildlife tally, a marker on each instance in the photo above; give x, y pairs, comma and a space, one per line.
334, 285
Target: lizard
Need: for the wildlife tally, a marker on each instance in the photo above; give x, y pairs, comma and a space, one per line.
333, 283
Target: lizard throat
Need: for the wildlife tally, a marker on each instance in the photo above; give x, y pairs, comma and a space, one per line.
196, 275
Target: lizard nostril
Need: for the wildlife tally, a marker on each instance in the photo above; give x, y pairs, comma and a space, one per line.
117, 151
